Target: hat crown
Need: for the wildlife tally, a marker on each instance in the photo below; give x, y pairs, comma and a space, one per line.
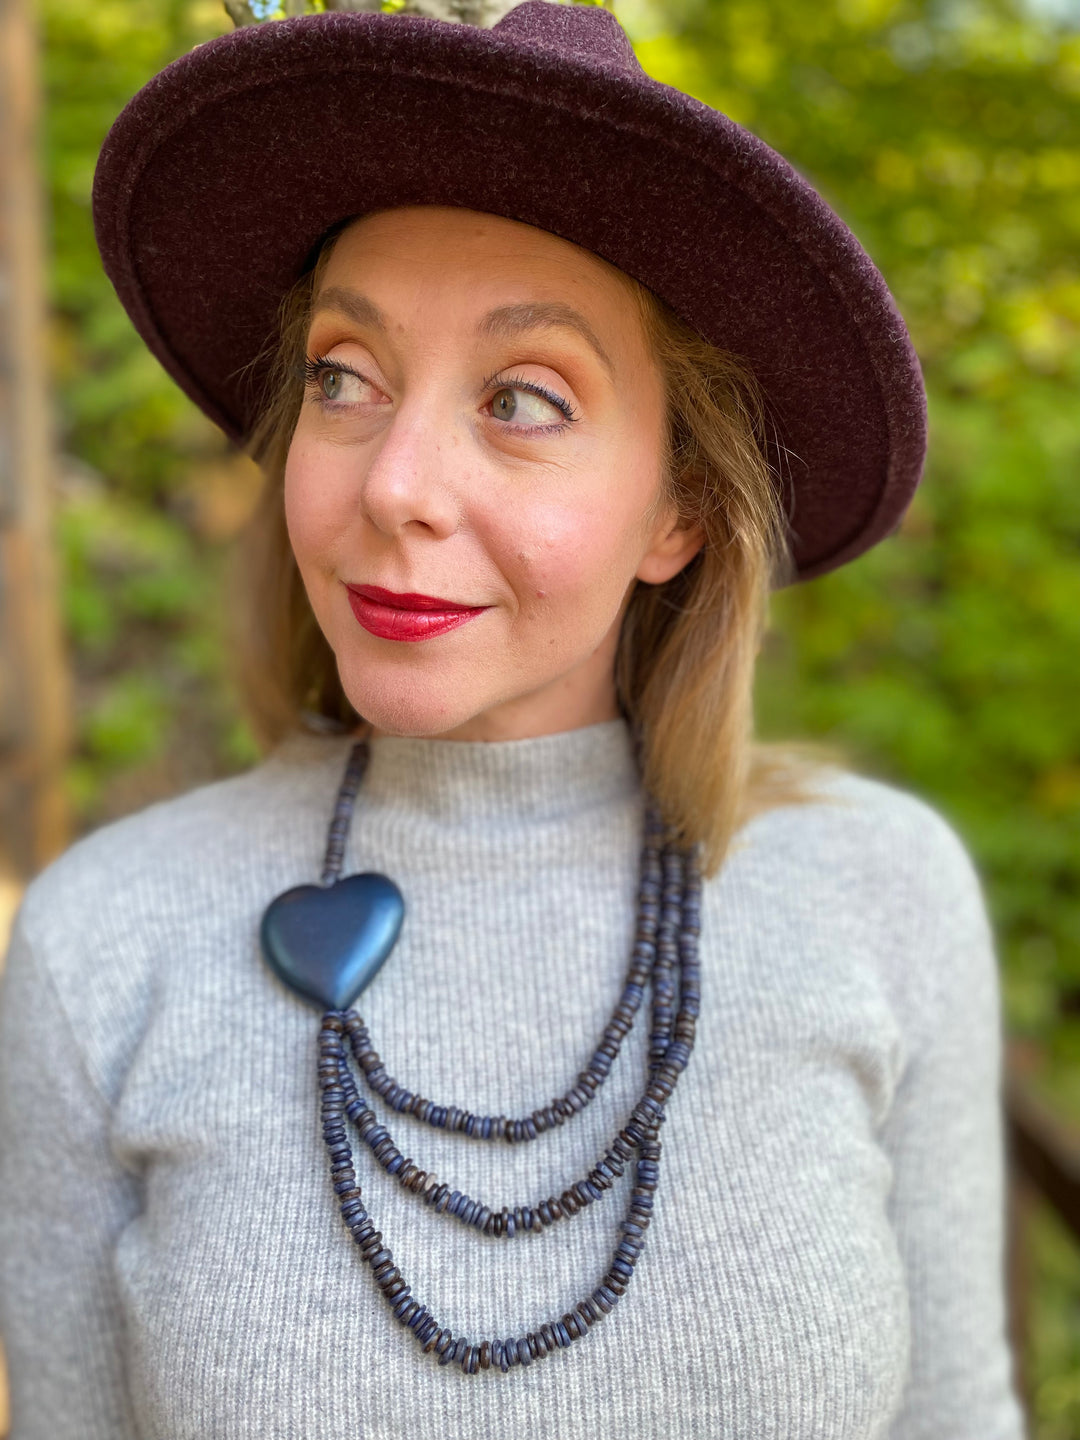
582, 32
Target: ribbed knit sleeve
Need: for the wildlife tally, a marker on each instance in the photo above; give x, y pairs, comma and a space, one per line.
63, 1201
944, 1136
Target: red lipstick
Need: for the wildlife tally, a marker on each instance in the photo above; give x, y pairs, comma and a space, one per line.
406, 617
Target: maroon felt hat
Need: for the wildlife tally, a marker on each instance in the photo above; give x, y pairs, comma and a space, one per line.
222, 174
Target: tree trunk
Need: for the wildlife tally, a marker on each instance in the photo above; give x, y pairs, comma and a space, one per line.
34, 692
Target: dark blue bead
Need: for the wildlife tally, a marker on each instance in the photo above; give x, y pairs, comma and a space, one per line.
523, 1354
453, 1351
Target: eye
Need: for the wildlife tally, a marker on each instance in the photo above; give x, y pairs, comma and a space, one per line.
527, 406
336, 386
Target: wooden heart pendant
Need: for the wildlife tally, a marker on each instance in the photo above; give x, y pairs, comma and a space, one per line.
328, 943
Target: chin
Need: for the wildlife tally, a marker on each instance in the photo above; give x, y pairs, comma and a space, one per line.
406, 713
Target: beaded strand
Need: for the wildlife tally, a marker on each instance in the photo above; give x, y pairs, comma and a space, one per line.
643, 963
338, 835
665, 953
407, 1310
455, 1203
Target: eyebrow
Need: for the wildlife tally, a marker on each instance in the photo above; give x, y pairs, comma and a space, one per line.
505, 322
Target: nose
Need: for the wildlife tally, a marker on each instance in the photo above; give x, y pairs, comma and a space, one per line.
409, 481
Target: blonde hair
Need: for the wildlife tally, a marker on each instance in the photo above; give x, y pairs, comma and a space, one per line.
685, 663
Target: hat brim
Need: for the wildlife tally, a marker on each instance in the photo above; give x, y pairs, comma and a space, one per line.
224, 171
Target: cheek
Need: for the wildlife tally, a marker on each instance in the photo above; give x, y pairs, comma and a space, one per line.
314, 510
569, 558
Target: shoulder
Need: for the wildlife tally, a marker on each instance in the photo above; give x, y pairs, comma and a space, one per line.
164, 901
865, 832
119, 889
871, 872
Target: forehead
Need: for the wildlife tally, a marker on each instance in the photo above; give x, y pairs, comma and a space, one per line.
415, 260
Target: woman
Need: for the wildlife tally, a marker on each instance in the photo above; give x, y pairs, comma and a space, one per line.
567, 370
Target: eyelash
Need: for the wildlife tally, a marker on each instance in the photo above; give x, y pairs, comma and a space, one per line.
518, 382
318, 365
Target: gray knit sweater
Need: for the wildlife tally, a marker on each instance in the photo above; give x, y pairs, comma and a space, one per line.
826, 1258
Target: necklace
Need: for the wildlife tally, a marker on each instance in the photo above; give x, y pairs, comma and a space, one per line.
328, 942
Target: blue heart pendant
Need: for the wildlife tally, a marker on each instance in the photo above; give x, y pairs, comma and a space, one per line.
328, 943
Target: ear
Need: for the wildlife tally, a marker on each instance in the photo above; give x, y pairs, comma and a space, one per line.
672, 546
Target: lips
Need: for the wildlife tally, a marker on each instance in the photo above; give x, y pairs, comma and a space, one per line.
408, 616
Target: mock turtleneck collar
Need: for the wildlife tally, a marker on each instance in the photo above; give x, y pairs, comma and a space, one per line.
543, 779
549, 777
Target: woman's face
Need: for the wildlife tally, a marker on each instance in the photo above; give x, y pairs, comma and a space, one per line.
482, 426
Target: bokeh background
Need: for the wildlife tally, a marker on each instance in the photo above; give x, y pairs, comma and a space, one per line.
947, 133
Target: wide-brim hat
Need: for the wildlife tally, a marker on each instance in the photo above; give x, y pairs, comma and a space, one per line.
219, 178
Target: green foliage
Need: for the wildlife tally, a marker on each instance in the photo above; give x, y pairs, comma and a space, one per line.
142, 588
947, 132
946, 660
1055, 1321
119, 414
948, 135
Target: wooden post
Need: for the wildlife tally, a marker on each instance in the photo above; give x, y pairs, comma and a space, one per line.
34, 690
1022, 1201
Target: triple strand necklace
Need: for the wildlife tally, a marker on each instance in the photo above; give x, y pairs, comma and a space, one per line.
328, 941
